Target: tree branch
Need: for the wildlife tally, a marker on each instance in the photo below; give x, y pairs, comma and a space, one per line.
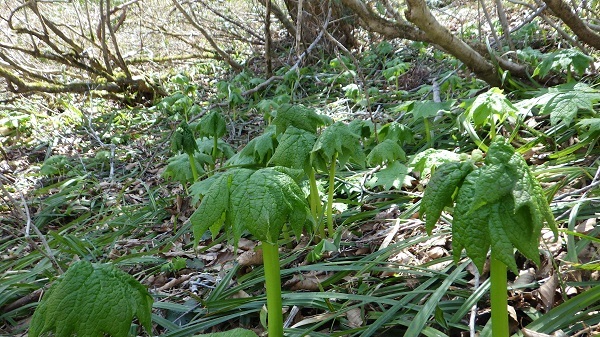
572, 19
418, 13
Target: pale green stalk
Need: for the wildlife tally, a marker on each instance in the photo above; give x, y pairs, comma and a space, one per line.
330, 195
315, 203
193, 166
273, 286
499, 298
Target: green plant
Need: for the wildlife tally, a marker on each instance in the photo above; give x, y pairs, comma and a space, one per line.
183, 140
336, 144
499, 205
492, 109
213, 125
567, 59
92, 300
260, 202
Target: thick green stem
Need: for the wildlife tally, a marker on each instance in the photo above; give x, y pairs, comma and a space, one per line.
499, 298
193, 166
315, 203
273, 286
427, 132
330, 195
215, 148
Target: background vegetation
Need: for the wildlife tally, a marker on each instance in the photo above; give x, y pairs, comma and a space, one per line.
361, 101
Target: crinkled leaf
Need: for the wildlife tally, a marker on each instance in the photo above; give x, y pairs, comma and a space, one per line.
396, 132
178, 167
205, 145
92, 300
183, 139
495, 181
213, 125
441, 187
257, 151
521, 229
566, 102
361, 127
385, 152
294, 149
337, 139
394, 175
425, 161
491, 104
502, 247
264, 202
470, 229
212, 210
298, 116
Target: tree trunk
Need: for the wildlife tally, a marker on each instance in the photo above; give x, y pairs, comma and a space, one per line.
340, 26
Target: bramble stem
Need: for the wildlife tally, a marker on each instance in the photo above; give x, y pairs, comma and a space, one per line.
273, 286
330, 195
499, 298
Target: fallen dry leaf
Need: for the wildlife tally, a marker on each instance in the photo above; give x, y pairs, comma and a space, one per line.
250, 258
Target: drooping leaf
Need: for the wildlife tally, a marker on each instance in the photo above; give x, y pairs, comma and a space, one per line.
298, 116
258, 151
183, 139
205, 145
264, 202
385, 152
565, 102
499, 205
178, 167
426, 161
294, 149
215, 208
470, 229
213, 125
336, 140
361, 127
260, 202
440, 189
394, 175
396, 132
92, 300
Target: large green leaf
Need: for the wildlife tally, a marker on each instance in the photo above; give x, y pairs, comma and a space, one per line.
441, 187
336, 140
213, 125
92, 300
294, 149
385, 152
298, 116
264, 202
260, 202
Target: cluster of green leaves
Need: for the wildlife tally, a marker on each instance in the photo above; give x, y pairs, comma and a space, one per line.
92, 300
499, 205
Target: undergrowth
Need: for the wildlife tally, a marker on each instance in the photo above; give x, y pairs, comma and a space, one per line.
100, 183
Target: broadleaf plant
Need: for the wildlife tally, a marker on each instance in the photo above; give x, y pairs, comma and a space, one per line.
213, 125
183, 140
260, 202
92, 300
337, 143
499, 205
